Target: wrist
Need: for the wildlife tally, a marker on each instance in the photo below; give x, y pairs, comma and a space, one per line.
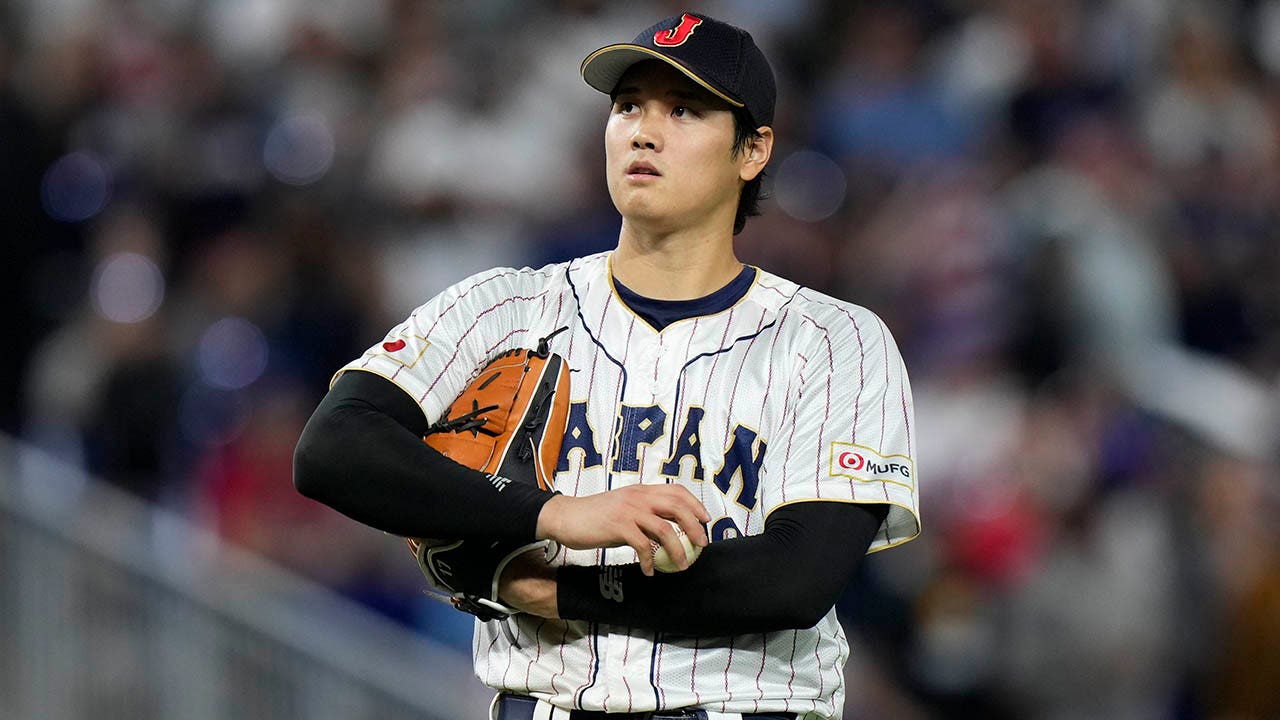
549, 518
528, 584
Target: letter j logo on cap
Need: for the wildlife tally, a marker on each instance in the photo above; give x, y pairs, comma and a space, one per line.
678, 34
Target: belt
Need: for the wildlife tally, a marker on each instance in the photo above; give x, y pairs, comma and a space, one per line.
520, 707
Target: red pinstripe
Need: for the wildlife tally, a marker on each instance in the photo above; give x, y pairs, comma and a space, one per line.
906, 416
510, 657
768, 382
657, 668
468, 331
764, 654
625, 683
826, 413
839, 681
489, 653
791, 692
563, 639
626, 653
728, 666
791, 436
504, 339
822, 681
775, 289
464, 293
693, 674
786, 401
537, 634
883, 412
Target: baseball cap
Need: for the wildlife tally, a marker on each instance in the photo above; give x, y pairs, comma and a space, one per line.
718, 56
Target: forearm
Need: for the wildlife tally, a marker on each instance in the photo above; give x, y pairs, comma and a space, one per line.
787, 577
362, 454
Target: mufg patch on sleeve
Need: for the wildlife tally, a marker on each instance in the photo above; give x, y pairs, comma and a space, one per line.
861, 463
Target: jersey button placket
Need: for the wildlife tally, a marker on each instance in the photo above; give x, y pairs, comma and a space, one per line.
648, 358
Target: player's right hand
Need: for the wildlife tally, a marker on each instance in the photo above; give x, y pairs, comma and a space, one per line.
635, 516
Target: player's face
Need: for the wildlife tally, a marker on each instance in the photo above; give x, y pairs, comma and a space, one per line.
668, 151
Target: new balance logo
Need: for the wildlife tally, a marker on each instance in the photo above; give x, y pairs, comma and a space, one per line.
499, 482
611, 584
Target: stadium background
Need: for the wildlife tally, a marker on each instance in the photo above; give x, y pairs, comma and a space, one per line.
1065, 209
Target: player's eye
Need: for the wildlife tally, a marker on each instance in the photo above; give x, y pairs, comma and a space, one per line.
624, 106
681, 111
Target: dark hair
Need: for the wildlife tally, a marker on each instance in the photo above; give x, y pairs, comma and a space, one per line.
744, 133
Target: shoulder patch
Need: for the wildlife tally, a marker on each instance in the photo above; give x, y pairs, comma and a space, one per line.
401, 352
861, 463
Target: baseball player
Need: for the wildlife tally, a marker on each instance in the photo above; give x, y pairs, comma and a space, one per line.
768, 423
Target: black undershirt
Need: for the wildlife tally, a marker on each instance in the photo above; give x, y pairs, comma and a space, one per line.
362, 454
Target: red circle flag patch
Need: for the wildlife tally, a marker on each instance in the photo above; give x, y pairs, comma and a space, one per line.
393, 346
851, 461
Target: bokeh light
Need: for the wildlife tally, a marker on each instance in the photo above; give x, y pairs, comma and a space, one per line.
76, 187
209, 417
127, 288
810, 186
232, 354
299, 149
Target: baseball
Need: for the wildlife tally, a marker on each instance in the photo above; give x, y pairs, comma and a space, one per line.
662, 561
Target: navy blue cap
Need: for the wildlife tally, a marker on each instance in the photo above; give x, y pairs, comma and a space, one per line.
718, 56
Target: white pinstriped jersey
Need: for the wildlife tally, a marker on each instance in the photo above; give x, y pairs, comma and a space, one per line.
788, 396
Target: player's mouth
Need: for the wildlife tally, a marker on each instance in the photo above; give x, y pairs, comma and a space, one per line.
639, 170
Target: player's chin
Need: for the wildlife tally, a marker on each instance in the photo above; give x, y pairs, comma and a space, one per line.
649, 217
639, 203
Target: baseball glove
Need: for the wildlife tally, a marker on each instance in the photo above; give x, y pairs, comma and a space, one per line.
508, 423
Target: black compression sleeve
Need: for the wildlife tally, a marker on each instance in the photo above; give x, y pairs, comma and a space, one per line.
362, 454
787, 577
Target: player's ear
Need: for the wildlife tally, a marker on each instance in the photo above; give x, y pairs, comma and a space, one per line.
757, 154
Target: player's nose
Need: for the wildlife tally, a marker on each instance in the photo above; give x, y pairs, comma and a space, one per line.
646, 135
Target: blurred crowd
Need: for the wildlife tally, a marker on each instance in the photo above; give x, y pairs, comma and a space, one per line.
1066, 210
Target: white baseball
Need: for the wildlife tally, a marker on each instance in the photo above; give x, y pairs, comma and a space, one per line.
662, 561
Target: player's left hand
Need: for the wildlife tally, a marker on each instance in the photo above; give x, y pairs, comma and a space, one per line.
528, 584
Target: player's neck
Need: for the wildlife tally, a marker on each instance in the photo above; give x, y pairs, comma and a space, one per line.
677, 266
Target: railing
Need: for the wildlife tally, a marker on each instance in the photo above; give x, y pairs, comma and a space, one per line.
111, 608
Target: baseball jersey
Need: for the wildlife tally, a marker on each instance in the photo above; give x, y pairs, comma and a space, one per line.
787, 396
